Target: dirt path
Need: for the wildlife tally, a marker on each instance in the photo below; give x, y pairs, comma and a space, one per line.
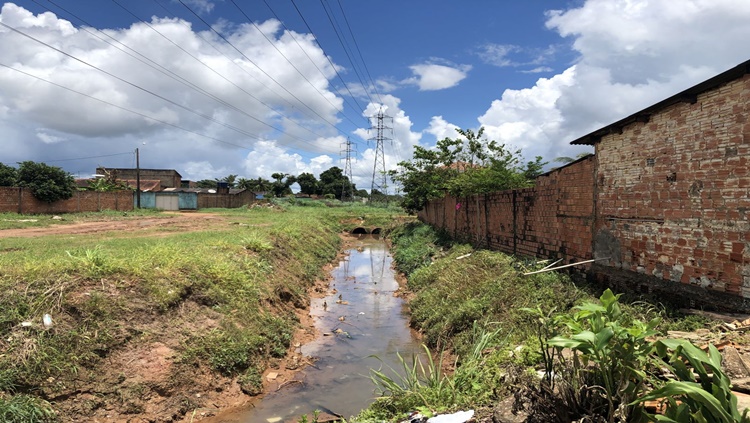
181, 221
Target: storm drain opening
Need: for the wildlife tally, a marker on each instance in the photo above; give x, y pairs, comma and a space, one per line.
360, 231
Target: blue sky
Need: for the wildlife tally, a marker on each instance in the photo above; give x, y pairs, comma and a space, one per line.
535, 74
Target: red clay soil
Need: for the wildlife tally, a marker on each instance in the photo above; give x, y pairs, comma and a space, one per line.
143, 380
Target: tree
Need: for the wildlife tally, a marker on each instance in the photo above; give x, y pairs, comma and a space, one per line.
206, 183
8, 176
467, 165
229, 179
256, 185
47, 183
333, 181
107, 182
308, 184
281, 186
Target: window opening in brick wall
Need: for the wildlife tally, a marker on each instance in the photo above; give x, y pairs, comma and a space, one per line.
650, 161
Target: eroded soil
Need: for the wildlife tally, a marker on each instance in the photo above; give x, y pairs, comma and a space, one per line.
143, 379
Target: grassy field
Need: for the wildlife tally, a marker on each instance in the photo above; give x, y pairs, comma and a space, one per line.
216, 298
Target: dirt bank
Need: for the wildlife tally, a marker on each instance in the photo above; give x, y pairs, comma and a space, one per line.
144, 378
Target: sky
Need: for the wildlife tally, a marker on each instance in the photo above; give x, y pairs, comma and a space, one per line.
254, 87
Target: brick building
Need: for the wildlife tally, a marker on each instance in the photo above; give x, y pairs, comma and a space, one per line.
169, 178
664, 205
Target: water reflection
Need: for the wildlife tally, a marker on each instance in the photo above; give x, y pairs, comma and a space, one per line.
362, 319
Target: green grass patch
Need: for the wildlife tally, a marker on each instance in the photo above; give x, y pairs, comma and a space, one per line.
251, 271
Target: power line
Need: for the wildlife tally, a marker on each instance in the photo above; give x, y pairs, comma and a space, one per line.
291, 33
83, 158
361, 57
329, 59
346, 51
258, 67
169, 73
126, 109
210, 118
290, 62
204, 92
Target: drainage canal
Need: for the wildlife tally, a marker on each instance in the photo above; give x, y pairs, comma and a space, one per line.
358, 320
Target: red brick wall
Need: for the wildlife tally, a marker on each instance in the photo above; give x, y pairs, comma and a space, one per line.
553, 219
20, 200
673, 194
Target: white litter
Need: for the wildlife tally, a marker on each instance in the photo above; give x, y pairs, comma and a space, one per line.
47, 320
460, 417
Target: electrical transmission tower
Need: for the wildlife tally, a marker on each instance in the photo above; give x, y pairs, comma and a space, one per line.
379, 177
347, 188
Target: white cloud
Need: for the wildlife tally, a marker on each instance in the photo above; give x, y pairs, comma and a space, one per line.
441, 129
268, 158
251, 107
539, 69
49, 138
498, 54
201, 6
434, 76
632, 53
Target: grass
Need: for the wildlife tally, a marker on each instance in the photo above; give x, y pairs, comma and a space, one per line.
461, 296
105, 292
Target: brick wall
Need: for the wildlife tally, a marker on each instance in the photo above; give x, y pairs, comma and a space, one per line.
664, 205
673, 194
20, 200
553, 219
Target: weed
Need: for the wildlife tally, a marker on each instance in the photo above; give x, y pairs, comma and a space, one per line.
27, 409
705, 398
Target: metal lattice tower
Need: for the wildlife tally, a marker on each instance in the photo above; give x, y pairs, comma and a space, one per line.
347, 189
380, 182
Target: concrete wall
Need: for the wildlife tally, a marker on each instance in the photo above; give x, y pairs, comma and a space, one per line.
20, 200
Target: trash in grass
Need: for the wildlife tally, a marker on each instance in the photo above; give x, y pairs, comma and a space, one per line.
460, 417
47, 320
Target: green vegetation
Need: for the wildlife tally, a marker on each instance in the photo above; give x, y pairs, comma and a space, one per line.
47, 183
596, 355
242, 277
467, 165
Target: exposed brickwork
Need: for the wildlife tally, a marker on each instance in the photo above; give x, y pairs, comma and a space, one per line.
673, 194
665, 203
553, 219
20, 200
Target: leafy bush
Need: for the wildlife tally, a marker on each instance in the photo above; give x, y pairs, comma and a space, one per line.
609, 349
47, 183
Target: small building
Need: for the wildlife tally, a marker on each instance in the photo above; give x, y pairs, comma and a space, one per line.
168, 178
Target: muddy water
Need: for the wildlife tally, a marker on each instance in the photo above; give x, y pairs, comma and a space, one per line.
374, 324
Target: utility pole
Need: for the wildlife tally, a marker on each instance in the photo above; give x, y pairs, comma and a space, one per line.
137, 178
347, 188
380, 183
